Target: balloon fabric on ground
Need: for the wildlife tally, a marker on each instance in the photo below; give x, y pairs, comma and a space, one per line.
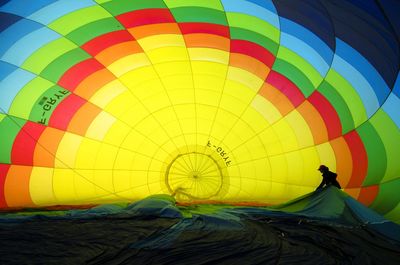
218, 101
157, 231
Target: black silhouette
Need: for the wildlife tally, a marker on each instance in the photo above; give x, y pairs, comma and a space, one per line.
328, 178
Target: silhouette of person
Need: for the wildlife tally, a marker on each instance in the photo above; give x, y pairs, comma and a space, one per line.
328, 178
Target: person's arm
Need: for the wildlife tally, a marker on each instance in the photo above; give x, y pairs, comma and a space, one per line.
323, 182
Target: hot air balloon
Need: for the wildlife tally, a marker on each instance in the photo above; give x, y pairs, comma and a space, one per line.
228, 101
106, 101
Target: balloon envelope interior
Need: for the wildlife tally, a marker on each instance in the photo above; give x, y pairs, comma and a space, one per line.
234, 101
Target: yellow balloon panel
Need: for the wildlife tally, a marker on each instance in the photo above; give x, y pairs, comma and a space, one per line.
246, 78
67, 151
41, 185
104, 188
286, 135
134, 79
107, 93
300, 129
269, 112
121, 103
271, 140
106, 156
167, 54
176, 80
310, 158
117, 133
63, 185
208, 55
86, 154
202, 69
168, 41
326, 154
84, 184
100, 126
129, 63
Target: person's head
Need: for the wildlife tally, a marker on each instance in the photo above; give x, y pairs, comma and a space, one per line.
323, 168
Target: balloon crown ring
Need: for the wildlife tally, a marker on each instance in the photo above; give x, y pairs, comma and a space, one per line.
194, 176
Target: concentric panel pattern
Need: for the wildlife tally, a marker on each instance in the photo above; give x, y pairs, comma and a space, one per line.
223, 100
